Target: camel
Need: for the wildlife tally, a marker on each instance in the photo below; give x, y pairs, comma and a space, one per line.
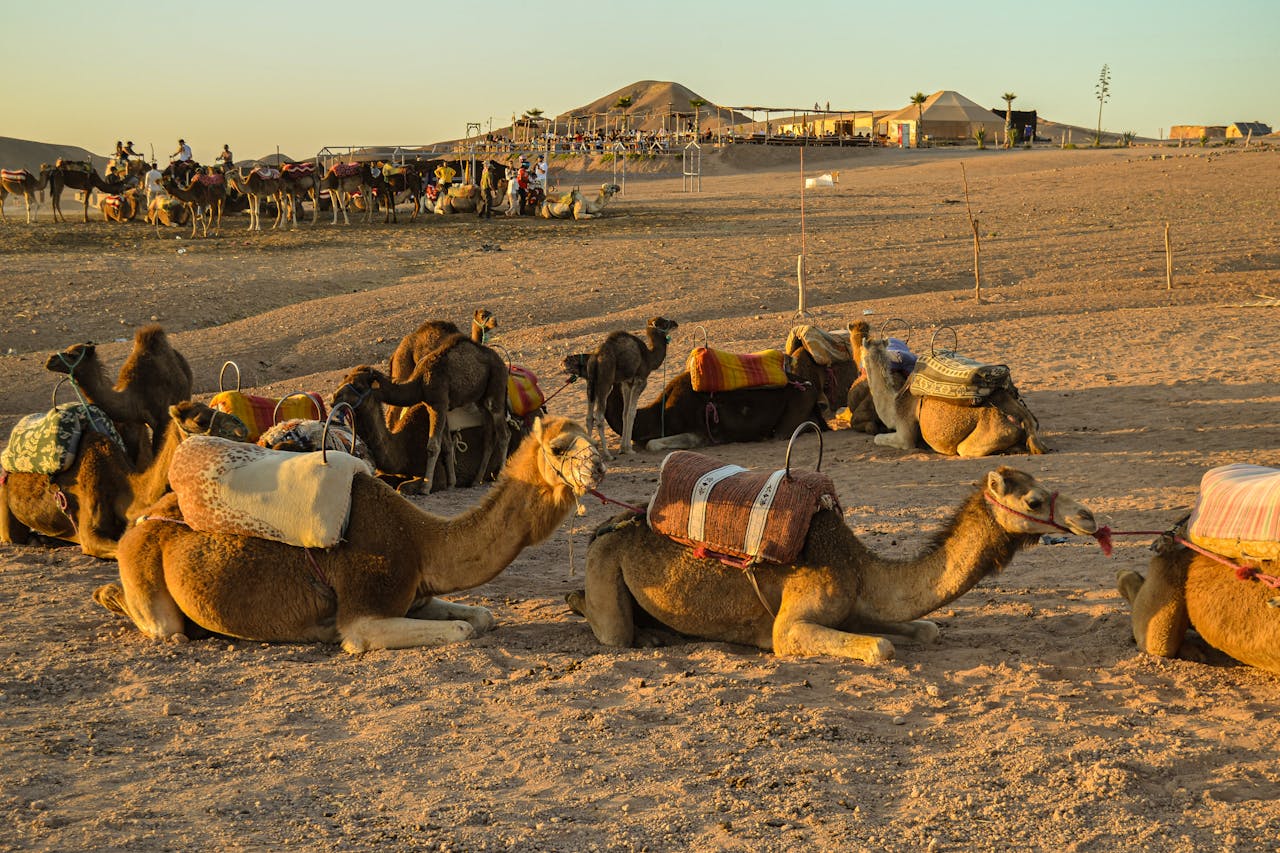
623, 361
300, 181
92, 502
457, 373
23, 183
837, 589
120, 208
394, 181
154, 377
465, 198
574, 205
344, 180
261, 184
428, 337
949, 428
1184, 589
78, 175
207, 192
164, 209
377, 588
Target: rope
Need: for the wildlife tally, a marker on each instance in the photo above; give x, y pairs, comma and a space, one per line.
608, 500
1243, 573
567, 383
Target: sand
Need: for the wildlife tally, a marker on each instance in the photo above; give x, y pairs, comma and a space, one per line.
1033, 722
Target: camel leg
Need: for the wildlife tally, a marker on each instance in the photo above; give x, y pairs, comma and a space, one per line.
919, 630
439, 610
606, 604
374, 632
1159, 606
802, 638
11, 530
434, 445
679, 441
279, 211
142, 594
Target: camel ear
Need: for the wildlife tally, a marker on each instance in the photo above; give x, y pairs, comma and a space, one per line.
536, 431
175, 412
996, 483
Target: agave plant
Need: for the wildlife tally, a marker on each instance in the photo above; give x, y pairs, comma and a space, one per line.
980, 134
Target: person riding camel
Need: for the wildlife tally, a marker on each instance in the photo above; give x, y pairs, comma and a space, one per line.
225, 159
181, 160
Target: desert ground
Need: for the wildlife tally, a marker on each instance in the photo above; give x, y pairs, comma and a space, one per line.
1033, 722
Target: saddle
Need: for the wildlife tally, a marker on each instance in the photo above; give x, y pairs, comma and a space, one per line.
394, 171
727, 510
463, 191
259, 413
717, 370
345, 170
210, 179
299, 435
827, 348
266, 173
433, 192
298, 170
524, 397
300, 499
15, 175
1237, 513
958, 379
74, 165
48, 443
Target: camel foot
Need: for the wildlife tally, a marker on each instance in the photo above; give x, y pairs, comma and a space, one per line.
577, 601
1129, 583
111, 596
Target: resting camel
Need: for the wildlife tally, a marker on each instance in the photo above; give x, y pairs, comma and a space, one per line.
949, 428
154, 377
576, 206
207, 192
624, 362
428, 337
380, 582
102, 491
301, 181
835, 595
164, 209
260, 185
23, 183
120, 208
1184, 589
78, 175
458, 373
344, 180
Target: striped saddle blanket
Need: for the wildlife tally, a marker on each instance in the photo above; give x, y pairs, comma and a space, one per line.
298, 170
259, 413
1237, 513
15, 175
48, 443
266, 173
826, 347
717, 370
210, 179
957, 378
345, 170
231, 487
524, 397
728, 511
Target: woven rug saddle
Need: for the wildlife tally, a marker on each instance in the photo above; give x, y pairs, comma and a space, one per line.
1237, 513
958, 379
728, 511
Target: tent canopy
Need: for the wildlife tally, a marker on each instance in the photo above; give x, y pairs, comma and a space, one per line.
948, 115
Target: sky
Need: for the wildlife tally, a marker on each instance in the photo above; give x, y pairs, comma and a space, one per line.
305, 75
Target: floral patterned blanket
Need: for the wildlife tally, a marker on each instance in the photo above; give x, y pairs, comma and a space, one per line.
48, 443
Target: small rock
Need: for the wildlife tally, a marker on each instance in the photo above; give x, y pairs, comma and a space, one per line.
898, 721
932, 690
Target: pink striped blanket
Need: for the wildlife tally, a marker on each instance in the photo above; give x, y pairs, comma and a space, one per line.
1238, 513
14, 175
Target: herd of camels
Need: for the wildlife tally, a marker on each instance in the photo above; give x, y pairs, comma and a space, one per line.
439, 415
201, 197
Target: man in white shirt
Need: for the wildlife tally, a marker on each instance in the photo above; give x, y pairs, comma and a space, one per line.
153, 183
540, 172
183, 154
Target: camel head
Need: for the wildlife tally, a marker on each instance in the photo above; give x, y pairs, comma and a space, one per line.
859, 331
357, 389
576, 365
566, 455
198, 419
71, 358
485, 320
662, 324
609, 190
1021, 505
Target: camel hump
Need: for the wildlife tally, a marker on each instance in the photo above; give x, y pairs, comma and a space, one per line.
1237, 513
152, 338
729, 511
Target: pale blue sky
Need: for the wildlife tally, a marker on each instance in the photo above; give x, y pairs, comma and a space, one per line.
302, 75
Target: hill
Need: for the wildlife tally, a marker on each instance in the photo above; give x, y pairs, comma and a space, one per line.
25, 154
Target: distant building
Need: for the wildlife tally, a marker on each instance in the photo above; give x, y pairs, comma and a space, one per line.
1243, 129
1021, 119
1195, 131
947, 116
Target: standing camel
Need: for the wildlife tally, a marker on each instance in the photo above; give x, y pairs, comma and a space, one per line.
78, 175
301, 181
345, 180
427, 338
207, 193
377, 588
23, 183
623, 361
262, 184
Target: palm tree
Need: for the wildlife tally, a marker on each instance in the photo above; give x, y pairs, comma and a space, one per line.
1008, 98
697, 104
624, 104
918, 99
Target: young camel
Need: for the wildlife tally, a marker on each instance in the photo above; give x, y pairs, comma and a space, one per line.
949, 428
258, 186
624, 362
154, 377
836, 594
92, 502
377, 588
23, 183
1184, 589
427, 338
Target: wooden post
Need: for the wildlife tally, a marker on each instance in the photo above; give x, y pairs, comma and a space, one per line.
802, 304
1168, 260
977, 249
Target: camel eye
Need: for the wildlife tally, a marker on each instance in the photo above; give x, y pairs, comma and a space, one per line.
1034, 503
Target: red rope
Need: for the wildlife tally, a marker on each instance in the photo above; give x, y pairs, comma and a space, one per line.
1243, 573
548, 399
608, 500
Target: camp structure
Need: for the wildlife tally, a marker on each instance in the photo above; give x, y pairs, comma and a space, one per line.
945, 116
1246, 129
1198, 131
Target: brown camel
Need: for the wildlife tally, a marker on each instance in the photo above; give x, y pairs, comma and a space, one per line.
92, 502
837, 590
345, 180
206, 192
120, 208
458, 373
1184, 589
154, 377
862, 409
78, 175
374, 590
23, 183
624, 362
395, 181
427, 338
164, 209
300, 181
260, 185
1002, 424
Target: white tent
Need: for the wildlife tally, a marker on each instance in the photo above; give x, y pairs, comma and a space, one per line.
945, 115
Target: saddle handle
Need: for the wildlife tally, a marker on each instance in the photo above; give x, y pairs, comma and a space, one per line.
804, 426
275, 413
53, 401
893, 323
955, 340
706, 344
324, 435
223, 372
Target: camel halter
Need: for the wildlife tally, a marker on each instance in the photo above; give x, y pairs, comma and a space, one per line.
1102, 534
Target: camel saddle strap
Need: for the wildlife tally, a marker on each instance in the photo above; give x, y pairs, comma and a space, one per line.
752, 516
300, 499
1237, 513
717, 370
48, 443
957, 378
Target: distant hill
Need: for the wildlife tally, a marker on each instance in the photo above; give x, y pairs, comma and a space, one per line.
25, 154
652, 102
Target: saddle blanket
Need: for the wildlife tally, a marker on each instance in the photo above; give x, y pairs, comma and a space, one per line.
74, 165
48, 443
827, 348
15, 175
266, 173
242, 489
210, 179
524, 397
345, 170
752, 515
957, 378
1237, 513
298, 435
464, 191
299, 169
717, 370
259, 413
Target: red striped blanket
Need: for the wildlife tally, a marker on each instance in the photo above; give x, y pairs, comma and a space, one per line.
209, 179
345, 170
298, 169
1237, 513
717, 370
15, 175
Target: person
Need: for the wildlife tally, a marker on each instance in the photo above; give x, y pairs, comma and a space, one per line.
484, 207
183, 154
540, 172
225, 159
444, 176
522, 183
513, 194
153, 183
120, 154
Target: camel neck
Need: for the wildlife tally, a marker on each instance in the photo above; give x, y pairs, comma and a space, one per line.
150, 484
971, 547
389, 453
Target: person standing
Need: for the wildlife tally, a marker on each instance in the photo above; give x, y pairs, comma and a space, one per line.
540, 173
513, 194
153, 183
522, 184
484, 207
444, 177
